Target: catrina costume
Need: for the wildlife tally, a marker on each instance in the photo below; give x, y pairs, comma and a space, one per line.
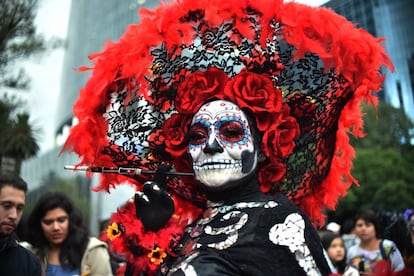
243, 108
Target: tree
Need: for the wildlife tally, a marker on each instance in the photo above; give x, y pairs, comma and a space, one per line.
18, 39
18, 138
386, 127
386, 183
383, 166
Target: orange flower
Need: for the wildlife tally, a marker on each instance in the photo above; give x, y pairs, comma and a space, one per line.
157, 256
113, 231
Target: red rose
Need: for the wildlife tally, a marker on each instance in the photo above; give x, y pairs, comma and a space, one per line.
156, 139
199, 87
269, 142
288, 131
174, 130
264, 120
270, 174
305, 108
254, 91
156, 142
281, 138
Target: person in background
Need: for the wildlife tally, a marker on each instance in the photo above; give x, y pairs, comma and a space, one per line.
347, 232
408, 250
409, 217
335, 249
372, 248
14, 259
61, 240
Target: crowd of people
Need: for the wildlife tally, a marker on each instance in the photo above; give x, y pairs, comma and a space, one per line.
57, 240
56, 234
364, 248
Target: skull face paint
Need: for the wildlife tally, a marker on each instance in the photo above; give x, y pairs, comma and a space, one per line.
221, 145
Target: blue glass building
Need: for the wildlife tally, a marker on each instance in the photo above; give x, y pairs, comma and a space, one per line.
393, 20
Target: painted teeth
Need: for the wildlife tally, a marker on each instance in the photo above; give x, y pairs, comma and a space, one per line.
216, 161
211, 164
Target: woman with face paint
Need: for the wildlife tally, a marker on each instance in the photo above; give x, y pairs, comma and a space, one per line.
221, 146
243, 108
242, 231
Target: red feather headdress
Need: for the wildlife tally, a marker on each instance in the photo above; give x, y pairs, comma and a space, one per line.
302, 72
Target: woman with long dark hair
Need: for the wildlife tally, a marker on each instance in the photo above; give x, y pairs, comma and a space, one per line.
61, 240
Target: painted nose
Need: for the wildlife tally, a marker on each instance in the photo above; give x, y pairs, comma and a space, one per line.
212, 148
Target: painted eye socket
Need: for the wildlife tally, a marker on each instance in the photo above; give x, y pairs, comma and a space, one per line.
231, 132
198, 134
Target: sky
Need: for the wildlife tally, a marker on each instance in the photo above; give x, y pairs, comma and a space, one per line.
45, 70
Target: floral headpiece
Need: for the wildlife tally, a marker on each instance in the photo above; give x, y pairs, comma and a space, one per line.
250, 91
301, 71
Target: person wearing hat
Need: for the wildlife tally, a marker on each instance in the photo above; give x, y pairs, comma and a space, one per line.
242, 108
333, 227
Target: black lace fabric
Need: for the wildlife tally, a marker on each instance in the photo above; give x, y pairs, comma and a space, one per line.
315, 96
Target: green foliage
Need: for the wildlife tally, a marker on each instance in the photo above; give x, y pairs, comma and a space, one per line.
383, 166
386, 127
18, 39
18, 138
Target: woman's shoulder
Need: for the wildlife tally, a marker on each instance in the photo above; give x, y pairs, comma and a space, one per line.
387, 242
95, 260
388, 248
95, 247
95, 242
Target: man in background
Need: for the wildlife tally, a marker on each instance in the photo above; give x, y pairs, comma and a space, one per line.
14, 259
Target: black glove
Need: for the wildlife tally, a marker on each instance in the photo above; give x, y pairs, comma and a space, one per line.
154, 206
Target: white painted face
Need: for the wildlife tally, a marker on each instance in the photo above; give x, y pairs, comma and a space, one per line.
221, 145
